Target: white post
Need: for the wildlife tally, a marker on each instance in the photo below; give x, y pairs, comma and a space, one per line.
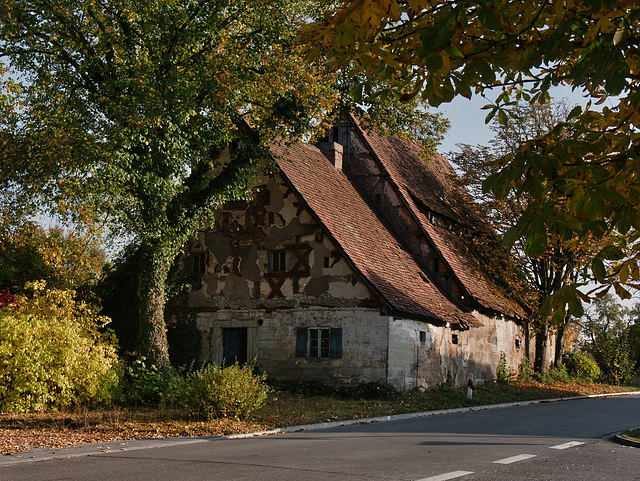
470, 386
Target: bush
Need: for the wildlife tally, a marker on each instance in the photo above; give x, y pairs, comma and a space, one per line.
526, 371
581, 366
52, 354
374, 391
149, 386
503, 372
555, 374
614, 360
233, 391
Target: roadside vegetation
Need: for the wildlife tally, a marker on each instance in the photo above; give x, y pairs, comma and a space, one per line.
633, 435
64, 380
288, 404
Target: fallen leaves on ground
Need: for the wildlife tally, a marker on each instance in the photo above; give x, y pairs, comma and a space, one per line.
20, 433
23, 432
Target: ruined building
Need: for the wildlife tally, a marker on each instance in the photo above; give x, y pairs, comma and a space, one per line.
353, 263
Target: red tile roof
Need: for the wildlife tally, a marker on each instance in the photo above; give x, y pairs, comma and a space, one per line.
431, 184
372, 249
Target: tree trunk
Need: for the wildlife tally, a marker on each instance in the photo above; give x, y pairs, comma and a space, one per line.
152, 333
542, 346
559, 336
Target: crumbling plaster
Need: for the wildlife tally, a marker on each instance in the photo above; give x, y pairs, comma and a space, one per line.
237, 289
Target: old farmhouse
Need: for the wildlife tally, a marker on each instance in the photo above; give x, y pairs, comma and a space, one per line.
352, 263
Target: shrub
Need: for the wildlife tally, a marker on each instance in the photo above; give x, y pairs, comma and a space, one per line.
52, 354
503, 372
581, 365
615, 362
233, 391
555, 374
148, 385
526, 371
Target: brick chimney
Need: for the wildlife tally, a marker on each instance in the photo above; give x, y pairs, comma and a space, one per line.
333, 151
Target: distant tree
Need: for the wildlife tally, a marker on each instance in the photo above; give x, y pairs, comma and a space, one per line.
65, 259
559, 265
607, 329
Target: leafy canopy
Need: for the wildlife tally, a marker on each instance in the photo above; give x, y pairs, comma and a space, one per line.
582, 174
124, 106
121, 112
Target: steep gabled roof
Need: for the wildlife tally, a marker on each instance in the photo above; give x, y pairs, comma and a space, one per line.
434, 194
363, 239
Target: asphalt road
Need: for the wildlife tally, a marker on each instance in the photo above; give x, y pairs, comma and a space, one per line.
567, 440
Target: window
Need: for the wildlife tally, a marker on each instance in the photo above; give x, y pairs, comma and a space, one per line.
327, 261
319, 342
278, 261
199, 262
423, 337
454, 338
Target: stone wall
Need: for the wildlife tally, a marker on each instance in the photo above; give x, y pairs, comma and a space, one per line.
425, 355
273, 342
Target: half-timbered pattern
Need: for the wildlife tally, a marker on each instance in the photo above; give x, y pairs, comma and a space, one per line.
351, 263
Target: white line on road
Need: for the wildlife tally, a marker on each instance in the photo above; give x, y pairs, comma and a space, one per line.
445, 476
515, 459
570, 444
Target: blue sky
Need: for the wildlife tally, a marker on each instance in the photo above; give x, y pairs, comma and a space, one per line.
467, 118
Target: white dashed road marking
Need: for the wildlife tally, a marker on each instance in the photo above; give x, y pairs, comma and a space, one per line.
446, 476
515, 459
570, 444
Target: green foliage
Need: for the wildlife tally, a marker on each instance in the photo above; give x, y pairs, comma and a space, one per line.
65, 259
52, 354
149, 386
526, 371
504, 373
581, 366
555, 374
607, 330
233, 391
580, 176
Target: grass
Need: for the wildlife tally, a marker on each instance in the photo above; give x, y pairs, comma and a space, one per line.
290, 404
633, 434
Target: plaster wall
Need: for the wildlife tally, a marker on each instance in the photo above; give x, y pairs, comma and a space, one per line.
364, 342
237, 267
435, 357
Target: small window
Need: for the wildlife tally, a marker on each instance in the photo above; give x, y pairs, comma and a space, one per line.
423, 337
199, 262
454, 338
278, 261
319, 342
494, 340
517, 343
326, 262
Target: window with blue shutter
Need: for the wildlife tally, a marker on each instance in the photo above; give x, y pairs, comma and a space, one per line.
319, 342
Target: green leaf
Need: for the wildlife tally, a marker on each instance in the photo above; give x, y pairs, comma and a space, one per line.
488, 17
598, 269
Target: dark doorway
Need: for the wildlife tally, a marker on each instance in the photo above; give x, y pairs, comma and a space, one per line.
234, 345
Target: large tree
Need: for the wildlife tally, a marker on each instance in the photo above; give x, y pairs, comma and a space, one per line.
582, 175
143, 116
120, 111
